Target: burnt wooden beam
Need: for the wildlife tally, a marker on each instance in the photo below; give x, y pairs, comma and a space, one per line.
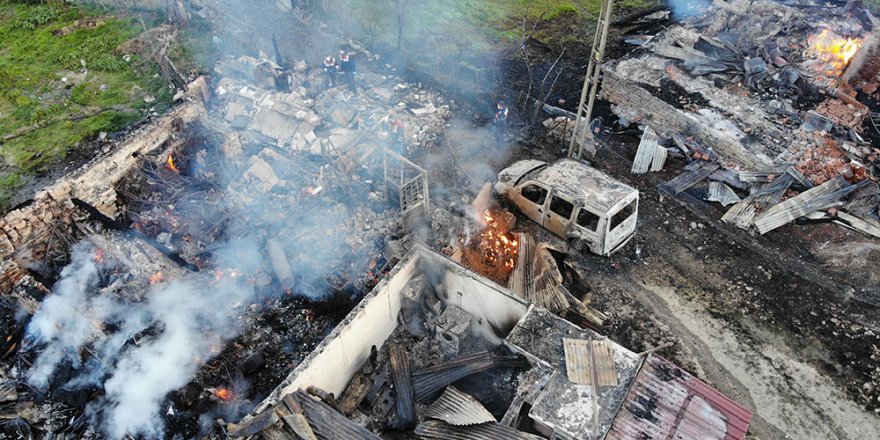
115, 225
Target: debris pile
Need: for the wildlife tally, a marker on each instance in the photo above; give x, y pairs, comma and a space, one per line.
438, 375
761, 101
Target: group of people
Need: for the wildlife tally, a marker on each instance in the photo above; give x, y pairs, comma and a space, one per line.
345, 65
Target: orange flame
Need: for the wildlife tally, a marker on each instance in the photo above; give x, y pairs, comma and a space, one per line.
223, 394
156, 278
171, 165
836, 51
99, 255
499, 247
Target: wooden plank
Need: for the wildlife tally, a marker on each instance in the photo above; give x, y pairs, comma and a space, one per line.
603, 363
864, 226
355, 393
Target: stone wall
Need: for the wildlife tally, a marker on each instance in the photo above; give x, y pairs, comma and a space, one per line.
29, 227
634, 103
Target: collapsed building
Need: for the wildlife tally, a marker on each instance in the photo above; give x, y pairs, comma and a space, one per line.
762, 98
280, 196
435, 342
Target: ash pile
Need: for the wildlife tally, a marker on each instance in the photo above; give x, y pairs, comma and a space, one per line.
773, 106
233, 246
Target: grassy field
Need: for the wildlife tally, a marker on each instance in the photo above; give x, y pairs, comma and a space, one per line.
62, 82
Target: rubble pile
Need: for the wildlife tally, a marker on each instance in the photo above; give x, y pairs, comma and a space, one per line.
763, 90
279, 189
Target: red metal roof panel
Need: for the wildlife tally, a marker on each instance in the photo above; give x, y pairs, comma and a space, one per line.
666, 402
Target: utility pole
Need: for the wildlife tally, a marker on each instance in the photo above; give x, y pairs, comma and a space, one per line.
582, 136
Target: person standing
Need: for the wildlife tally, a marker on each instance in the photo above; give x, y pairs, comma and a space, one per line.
397, 136
330, 69
501, 114
346, 63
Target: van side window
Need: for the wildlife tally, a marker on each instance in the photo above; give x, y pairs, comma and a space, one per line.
561, 206
535, 194
622, 215
587, 219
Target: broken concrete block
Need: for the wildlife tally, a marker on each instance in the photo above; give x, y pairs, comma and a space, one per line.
232, 147
451, 328
274, 125
262, 174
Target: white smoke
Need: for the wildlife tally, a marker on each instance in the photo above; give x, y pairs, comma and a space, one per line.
64, 320
187, 321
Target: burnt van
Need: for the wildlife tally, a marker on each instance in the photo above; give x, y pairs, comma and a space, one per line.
581, 204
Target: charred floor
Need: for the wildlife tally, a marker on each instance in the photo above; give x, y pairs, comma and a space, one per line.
208, 264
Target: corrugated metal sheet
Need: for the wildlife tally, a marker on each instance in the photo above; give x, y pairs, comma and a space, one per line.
585, 358
457, 408
536, 277
665, 402
694, 173
403, 389
742, 215
731, 178
429, 381
329, 424
719, 192
437, 430
650, 154
819, 198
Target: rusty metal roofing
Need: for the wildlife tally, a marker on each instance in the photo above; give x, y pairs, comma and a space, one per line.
457, 408
583, 184
666, 402
437, 430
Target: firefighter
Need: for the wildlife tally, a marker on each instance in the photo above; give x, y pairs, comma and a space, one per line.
330, 69
346, 63
501, 114
396, 135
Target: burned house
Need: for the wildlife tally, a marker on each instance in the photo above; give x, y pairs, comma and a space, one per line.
762, 97
437, 351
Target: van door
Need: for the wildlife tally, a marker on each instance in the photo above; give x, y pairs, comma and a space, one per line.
558, 216
621, 226
530, 199
588, 226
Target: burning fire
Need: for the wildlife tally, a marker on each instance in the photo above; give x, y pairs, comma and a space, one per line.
223, 393
498, 247
171, 165
836, 51
156, 278
99, 255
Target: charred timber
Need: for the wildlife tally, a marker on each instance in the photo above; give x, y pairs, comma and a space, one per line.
109, 223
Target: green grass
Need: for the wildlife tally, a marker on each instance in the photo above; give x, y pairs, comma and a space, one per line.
70, 87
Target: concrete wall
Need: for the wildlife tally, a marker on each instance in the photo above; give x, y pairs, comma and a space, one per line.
332, 364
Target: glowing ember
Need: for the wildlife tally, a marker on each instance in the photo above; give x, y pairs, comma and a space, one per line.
171, 165
99, 255
156, 278
223, 393
834, 50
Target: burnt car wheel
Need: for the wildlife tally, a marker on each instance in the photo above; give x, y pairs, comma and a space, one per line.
577, 244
